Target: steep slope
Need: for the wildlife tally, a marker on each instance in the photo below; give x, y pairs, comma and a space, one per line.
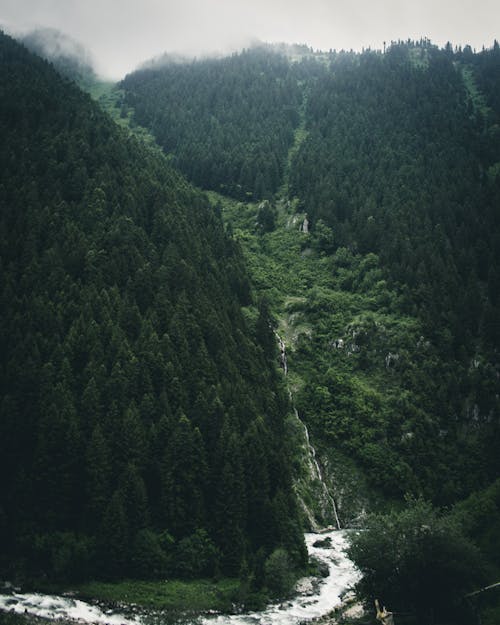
227, 122
68, 56
395, 163
141, 425
397, 175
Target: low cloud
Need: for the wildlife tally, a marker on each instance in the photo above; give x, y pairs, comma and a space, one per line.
122, 34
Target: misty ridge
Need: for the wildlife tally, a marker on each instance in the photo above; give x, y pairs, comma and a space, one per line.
56, 44
68, 54
77, 61
69, 57
290, 50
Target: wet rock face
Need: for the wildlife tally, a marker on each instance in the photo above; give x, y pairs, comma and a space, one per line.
325, 543
322, 495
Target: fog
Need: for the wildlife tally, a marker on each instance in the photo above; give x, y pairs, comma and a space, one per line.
121, 34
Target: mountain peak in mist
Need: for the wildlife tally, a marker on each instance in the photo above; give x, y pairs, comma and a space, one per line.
67, 55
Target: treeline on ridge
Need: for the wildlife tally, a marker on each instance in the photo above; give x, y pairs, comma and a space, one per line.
397, 168
227, 122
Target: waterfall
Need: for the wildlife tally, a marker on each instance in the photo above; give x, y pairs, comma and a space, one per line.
312, 452
319, 473
283, 360
311, 602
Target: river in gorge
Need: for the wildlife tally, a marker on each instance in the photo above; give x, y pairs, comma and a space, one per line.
314, 598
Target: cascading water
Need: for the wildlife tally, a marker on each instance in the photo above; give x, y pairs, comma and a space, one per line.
311, 603
319, 474
58, 608
316, 469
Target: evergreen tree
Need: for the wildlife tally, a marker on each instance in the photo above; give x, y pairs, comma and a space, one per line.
184, 477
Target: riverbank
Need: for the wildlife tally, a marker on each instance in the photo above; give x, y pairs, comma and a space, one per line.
126, 602
116, 603
349, 612
175, 595
315, 598
27, 619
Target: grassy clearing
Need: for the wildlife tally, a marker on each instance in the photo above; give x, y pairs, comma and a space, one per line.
174, 595
111, 99
351, 348
478, 99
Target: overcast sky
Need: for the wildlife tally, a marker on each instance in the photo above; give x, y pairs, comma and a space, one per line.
123, 33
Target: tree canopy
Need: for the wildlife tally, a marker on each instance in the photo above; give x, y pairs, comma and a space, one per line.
130, 379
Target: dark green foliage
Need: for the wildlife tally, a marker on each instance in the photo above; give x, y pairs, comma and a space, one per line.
266, 217
479, 515
150, 560
68, 56
141, 419
228, 122
278, 573
393, 176
196, 556
397, 165
115, 538
485, 67
393, 164
264, 330
389, 306
228, 513
168, 596
125, 358
418, 561
184, 480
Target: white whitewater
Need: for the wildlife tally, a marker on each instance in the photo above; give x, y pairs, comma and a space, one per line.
62, 608
307, 605
313, 599
319, 474
312, 452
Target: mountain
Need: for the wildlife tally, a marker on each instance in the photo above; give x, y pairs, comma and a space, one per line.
393, 157
68, 56
227, 122
399, 169
141, 403
377, 246
142, 410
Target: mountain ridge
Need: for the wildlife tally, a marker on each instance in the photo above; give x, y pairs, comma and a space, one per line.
136, 399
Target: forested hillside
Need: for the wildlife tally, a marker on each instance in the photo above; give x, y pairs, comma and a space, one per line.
227, 122
392, 318
141, 424
141, 402
68, 56
399, 174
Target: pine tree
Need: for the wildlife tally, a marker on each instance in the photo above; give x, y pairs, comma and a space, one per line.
184, 474
98, 475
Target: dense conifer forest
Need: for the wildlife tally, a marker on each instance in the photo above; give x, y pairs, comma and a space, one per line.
141, 427
395, 162
228, 123
141, 398
388, 299
399, 168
